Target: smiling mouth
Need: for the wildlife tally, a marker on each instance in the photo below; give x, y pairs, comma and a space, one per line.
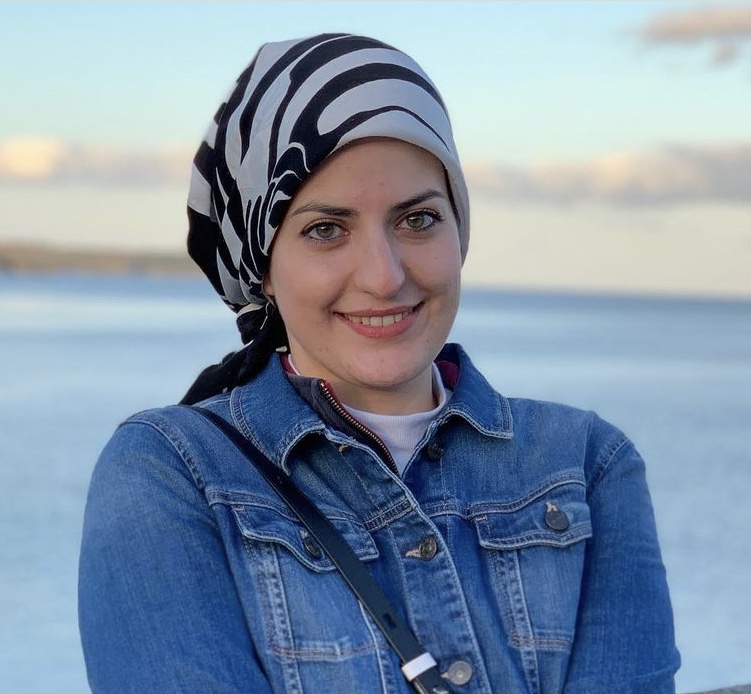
379, 321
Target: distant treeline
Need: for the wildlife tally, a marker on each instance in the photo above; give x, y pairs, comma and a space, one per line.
21, 257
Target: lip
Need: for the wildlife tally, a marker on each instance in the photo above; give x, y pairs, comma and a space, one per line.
383, 323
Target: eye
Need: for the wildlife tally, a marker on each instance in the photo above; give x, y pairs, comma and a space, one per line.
323, 231
420, 220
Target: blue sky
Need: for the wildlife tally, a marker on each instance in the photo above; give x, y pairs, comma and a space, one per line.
615, 133
150, 73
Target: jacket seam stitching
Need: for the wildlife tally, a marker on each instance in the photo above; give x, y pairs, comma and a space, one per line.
178, 446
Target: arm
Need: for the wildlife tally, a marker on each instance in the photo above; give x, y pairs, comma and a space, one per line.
158, 608
624, 639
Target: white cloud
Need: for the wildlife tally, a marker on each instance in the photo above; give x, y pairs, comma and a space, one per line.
726, 28
699, 24
670, 175
47, 160
30, 159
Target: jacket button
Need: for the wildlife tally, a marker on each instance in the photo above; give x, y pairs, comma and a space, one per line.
459, 672
428, 547
312, 547
434, 451
554, 518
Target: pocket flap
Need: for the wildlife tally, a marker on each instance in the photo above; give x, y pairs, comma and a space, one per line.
263, 523
557, 517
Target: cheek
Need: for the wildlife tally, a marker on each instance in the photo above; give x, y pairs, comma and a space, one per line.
439, 270
300, 293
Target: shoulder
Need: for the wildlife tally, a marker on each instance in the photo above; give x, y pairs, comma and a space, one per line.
156, 440
571, 434
558, 419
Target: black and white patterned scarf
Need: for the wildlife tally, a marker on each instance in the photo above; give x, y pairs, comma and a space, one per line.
294, 105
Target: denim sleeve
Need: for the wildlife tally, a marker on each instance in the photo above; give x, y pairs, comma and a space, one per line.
624, 638
158, 609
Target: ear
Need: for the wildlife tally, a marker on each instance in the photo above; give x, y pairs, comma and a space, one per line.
268, 287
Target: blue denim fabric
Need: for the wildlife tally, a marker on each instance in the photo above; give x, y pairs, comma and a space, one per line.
194, 576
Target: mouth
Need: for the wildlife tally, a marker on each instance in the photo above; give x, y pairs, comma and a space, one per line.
380, 319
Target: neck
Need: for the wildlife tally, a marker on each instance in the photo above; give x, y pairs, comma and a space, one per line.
407, 399
416, 395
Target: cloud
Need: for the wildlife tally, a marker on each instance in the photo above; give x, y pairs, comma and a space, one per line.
726, 28
47, 160
673, 174
699, 24
670, 175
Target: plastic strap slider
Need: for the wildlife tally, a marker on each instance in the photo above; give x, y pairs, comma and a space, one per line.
416, 666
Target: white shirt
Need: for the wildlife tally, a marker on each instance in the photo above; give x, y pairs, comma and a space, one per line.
402, 432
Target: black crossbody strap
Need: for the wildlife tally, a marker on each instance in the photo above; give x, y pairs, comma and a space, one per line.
418, 666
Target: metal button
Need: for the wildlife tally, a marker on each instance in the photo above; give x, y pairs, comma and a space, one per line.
555, 519
428, 547
459, 672
312, 547
434, 451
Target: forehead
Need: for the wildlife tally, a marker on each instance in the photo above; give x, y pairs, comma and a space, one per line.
376, 162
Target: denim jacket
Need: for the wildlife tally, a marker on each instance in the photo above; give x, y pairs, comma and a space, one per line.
519, 545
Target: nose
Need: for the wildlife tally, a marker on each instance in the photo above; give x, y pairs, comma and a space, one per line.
380, 267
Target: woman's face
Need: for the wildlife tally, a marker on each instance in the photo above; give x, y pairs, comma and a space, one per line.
365, 273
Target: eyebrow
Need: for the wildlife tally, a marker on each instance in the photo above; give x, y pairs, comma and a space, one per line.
417, 199
334, 211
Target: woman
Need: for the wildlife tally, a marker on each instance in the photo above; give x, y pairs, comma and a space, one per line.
515, 538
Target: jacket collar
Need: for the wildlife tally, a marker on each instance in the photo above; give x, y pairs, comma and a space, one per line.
277, 413
474, 399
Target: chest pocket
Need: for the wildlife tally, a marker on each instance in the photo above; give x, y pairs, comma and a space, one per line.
296, 596
535, 547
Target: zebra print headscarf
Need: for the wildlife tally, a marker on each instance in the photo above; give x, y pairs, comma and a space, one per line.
294, 105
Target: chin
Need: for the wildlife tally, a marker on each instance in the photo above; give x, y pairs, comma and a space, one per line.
382, 379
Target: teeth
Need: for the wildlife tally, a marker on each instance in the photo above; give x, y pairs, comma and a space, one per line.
378, 321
